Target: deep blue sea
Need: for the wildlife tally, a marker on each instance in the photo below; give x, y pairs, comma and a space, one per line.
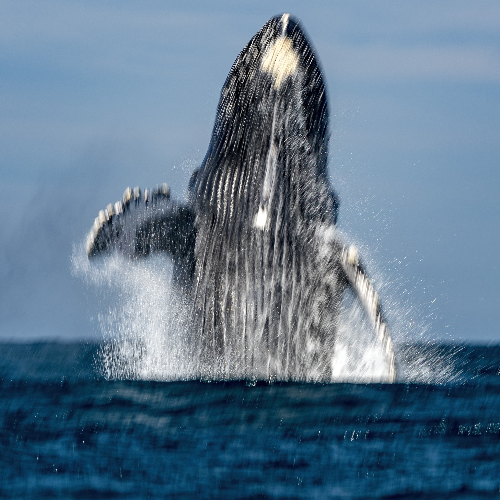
68, 432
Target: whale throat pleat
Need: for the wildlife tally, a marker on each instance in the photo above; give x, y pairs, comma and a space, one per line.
255, 250
260, 192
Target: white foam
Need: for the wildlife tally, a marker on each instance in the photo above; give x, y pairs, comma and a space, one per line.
143, 319
147, 335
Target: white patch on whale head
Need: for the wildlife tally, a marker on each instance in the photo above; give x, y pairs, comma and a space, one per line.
260, 219
280, 60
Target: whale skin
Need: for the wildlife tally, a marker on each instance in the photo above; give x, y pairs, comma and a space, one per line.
255, 247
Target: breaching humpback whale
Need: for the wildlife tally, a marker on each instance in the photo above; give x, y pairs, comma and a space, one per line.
255, 246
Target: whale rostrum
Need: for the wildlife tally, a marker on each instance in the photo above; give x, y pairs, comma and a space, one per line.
255, 247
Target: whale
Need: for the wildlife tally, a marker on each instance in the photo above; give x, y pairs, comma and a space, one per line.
255, 247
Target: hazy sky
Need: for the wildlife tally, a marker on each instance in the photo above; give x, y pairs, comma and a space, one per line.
99, 95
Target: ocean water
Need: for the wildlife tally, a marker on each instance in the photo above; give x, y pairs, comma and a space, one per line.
69, 431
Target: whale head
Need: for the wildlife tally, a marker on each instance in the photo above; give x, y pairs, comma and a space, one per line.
270, 138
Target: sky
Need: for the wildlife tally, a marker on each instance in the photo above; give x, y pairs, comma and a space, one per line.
99, 95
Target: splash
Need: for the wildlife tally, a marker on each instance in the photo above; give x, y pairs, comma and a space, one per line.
358, 355
147, 332
143, 318
260, 269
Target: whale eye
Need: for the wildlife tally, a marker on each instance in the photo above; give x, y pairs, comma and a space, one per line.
280, 60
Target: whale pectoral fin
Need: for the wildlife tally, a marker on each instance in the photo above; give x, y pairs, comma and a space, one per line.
168, 229
363, 287
142, 224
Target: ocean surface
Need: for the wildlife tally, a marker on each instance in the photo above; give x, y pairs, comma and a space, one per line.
68, 431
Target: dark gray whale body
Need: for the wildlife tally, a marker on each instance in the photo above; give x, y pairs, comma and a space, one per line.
255, 247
